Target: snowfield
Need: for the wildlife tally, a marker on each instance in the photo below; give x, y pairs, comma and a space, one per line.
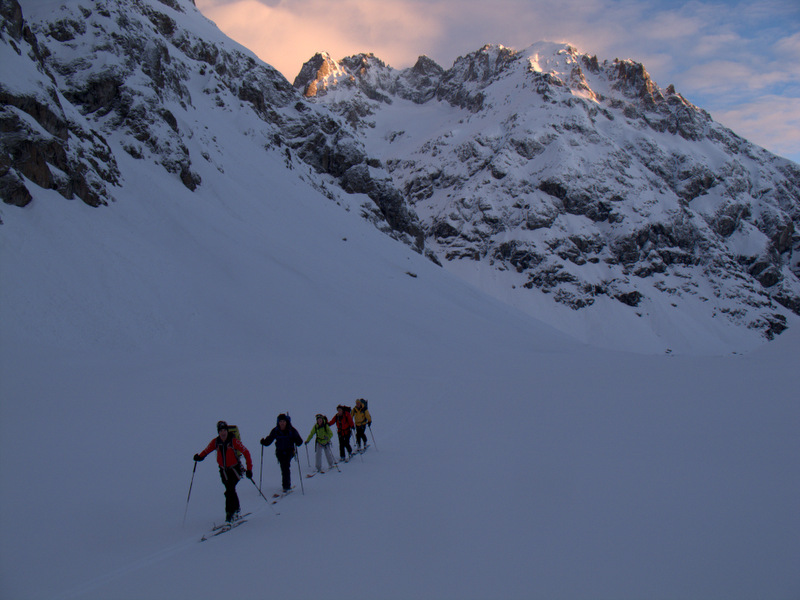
511, 462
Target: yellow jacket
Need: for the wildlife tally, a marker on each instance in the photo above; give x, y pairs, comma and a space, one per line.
361, 417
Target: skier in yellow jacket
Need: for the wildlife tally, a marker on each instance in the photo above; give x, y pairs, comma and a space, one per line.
361, 418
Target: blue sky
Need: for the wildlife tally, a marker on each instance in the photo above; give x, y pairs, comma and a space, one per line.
738, 60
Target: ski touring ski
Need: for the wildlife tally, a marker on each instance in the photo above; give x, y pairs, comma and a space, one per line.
224, 528
280, 495
235, 520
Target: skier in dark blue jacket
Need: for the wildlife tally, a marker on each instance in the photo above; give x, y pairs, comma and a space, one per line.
286, 438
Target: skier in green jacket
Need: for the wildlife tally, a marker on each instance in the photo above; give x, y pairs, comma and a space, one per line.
324, 435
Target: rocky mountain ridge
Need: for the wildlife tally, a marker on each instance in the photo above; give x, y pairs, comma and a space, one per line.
133, 67
554, 172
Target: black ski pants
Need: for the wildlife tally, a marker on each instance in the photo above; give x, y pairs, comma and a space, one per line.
285, 460
230, 477
344, 442
361, 435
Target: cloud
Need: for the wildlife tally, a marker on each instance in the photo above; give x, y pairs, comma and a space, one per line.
286, 34
789, 46
729, 76
770, 122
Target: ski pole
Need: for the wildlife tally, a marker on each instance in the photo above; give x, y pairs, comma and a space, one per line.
308, 457
261, 469
264, 497
335, 463
190, 493
302, 487
373, 437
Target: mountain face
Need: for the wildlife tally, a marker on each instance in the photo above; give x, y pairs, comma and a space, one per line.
548, 171
568, 187
145, 70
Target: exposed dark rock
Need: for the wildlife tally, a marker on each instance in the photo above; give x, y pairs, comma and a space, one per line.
518, 255
554, 188
100, 93
630, 298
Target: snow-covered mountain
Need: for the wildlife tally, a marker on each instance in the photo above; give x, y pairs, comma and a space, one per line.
548, 176
573, 189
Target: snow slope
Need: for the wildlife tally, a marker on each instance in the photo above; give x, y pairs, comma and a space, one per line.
510, 461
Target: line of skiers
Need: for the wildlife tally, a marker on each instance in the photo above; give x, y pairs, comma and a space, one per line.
229, 446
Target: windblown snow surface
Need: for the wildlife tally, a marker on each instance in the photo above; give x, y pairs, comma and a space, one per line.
509, 461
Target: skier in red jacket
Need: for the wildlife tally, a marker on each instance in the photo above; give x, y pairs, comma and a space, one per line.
344, 427
230, 471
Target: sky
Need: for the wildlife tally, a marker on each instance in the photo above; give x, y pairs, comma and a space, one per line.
740, 61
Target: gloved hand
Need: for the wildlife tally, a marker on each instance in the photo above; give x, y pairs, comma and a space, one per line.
249, 474
198, 458
263, 441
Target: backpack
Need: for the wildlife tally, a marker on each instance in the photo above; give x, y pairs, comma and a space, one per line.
233, 430
343, 421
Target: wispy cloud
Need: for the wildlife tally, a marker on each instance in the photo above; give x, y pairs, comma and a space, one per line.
731, 57
770, 121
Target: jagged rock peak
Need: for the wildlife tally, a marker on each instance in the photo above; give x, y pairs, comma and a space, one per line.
483, 64
426, 66
314, 73
364, 71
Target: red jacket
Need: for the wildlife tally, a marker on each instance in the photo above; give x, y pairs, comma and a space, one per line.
344, 423
226, 452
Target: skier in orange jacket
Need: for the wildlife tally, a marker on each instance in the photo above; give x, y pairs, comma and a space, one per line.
344, 427
230, 471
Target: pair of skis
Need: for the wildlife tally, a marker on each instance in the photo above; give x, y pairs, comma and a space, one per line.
280, 495
225, 527
361, 450
310, 475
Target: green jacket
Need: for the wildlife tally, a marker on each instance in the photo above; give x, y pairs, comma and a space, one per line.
323, 433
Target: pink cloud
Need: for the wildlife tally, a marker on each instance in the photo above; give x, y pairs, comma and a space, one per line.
290, 33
